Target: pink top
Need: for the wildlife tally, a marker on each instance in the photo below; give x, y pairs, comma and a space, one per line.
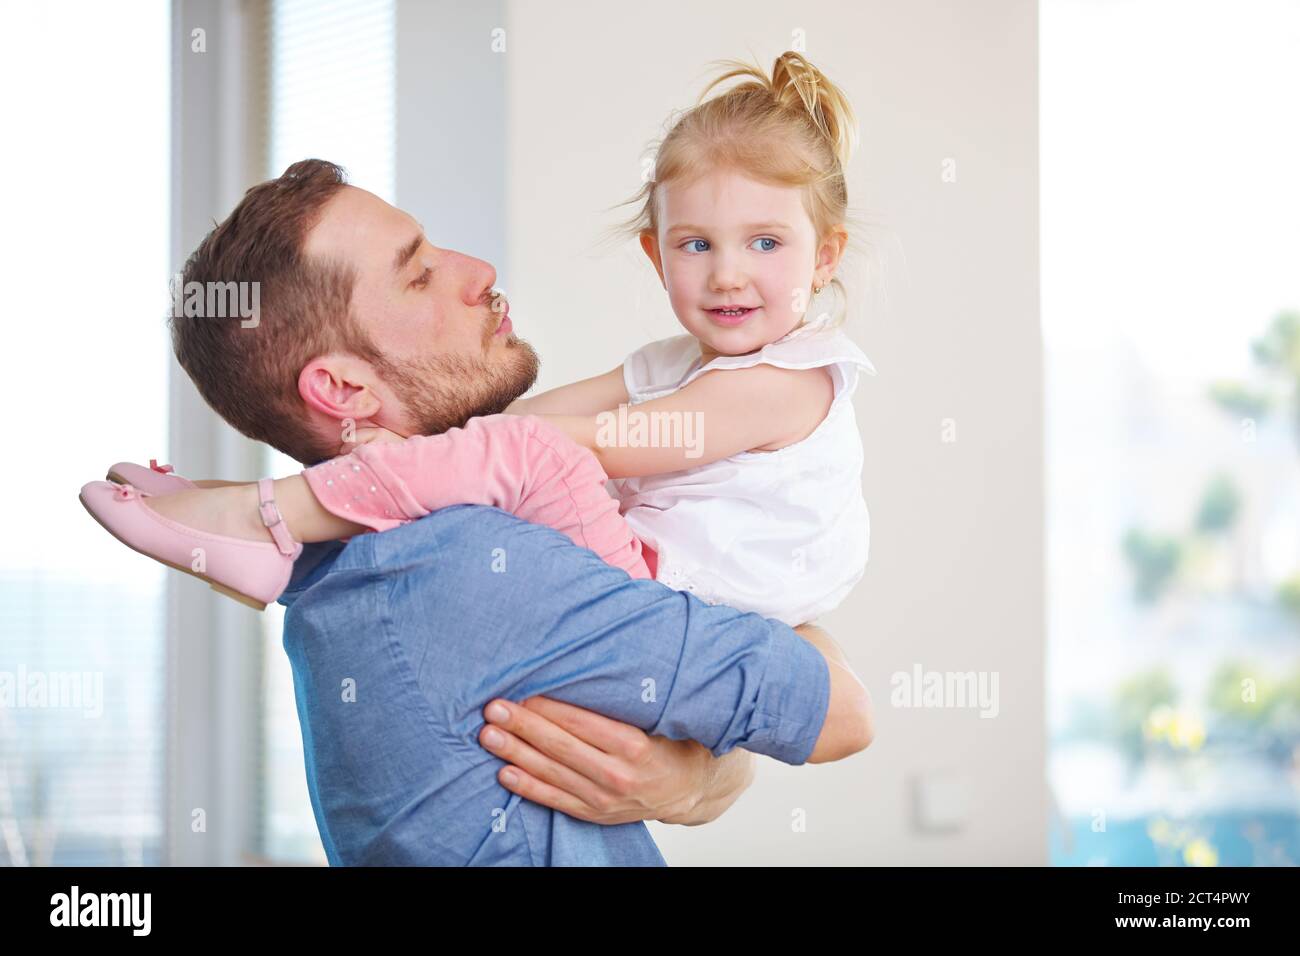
518, 463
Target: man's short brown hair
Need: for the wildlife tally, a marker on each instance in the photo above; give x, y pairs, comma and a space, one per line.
249, 375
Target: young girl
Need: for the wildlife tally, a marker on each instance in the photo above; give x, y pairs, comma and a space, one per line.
734, 450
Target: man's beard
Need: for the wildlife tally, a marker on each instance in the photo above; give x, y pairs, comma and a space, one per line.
446, 391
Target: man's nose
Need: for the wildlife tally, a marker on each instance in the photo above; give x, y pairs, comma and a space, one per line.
482, 278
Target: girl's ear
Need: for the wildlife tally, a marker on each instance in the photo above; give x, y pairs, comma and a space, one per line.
650, 245
830, 252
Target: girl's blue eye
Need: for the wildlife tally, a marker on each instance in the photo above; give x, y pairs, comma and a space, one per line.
765, 248
691, 242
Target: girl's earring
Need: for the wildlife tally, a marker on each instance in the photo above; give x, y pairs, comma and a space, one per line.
817, 289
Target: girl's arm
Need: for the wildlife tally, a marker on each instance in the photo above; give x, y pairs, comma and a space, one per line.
720, 414
587, 397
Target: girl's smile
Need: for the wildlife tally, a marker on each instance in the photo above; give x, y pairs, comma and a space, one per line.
731, 316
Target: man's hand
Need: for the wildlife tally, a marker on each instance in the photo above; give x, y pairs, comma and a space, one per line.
604, 771
371, 433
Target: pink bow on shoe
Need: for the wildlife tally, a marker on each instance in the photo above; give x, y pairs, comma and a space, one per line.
154, 480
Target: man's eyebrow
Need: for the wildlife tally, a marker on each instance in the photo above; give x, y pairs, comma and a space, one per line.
751, 227
407, 253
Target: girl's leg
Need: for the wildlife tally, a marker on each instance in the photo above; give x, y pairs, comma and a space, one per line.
232, 510
518, 464
492, 460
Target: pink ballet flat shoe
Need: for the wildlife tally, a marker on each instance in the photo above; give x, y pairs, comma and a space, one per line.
155, 480
252, 572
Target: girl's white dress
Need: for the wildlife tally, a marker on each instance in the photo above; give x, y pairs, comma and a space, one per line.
783, 533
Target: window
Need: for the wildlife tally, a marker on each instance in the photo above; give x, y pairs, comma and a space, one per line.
81, 619
1171, 311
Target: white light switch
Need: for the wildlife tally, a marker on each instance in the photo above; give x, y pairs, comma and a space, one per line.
940, 801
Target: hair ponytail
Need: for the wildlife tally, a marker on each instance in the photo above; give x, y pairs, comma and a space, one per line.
797, 84
793, 127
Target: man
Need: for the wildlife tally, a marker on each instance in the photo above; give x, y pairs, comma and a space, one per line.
620, 700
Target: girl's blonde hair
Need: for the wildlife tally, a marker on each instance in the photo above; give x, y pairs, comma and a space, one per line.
793, 128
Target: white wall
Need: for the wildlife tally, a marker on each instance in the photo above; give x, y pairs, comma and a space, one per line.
451, 124
951, 321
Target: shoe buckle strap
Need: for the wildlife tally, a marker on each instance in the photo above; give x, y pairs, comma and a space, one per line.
271, 517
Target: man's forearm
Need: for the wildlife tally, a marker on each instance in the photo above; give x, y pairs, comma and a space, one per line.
728, 777
820, 638
731, 775
848, 727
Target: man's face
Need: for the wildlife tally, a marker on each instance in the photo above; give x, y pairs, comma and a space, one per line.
448, 350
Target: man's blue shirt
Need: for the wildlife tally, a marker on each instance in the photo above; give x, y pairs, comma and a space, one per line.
398, 640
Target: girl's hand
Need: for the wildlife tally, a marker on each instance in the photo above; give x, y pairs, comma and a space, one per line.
370, 434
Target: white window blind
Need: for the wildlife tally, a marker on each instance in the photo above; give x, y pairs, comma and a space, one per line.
332, 87
332, 95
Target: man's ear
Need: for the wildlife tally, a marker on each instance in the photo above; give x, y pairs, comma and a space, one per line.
339, 387
651, 246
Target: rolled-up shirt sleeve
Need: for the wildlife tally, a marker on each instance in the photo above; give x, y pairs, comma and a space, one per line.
749, 679
546, 618
672, 665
